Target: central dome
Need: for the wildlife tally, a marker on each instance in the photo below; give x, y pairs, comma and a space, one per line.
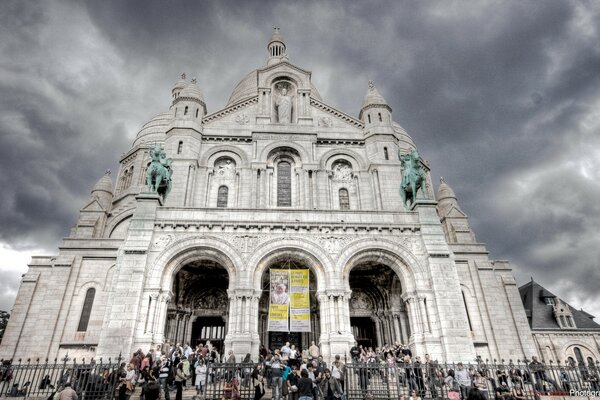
248, 87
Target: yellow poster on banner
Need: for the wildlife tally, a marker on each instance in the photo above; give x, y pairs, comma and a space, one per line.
299, 300
279, 301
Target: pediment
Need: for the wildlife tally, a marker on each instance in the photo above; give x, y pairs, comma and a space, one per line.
455, 212
326, 116
94, 206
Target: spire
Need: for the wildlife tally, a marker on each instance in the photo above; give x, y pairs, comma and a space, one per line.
374, 100
445, 191
103, 190
276, 48
373, 97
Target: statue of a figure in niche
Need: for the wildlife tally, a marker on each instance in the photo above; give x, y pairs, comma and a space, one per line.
283, 103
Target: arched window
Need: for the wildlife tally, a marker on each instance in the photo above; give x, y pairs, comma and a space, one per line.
369, 117
578, 355
180, 147
222, 196
344, 199
284, 184
379, 115
185, 110
385, 153
197, 109
87, 310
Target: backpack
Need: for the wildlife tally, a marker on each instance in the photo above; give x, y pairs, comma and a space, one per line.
455, 385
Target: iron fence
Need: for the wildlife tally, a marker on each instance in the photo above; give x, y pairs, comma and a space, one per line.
379, 379
92, 380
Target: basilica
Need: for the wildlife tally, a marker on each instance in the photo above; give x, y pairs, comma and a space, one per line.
206, 208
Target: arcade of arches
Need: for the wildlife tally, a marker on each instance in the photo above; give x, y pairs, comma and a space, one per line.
199, 309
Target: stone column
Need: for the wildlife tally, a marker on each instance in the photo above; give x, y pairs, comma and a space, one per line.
208, 183
413, 315
404, 326
424, 316
324, 311
315, 203
152, 309
159, 324
397, 330
345, 305
377, 331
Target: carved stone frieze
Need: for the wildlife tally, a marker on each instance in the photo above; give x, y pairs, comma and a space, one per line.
334, 244
246, 243
326, 122
242, 119
163, 241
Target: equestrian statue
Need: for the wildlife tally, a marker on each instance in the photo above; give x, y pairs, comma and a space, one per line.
413, 177
158, 173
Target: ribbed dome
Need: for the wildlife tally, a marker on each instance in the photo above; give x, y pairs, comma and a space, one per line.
155, 129
192, 91
445, 191
373, 97
104, 184
248, 87
406, 142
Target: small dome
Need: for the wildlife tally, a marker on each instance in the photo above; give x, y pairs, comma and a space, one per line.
373, 97
192, 91
276, 37
155, 129
104, 184
445, 191
180, 84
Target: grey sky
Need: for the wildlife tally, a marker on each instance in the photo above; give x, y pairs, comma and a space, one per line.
503, 98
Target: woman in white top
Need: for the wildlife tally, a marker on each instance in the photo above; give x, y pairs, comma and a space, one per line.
200, 376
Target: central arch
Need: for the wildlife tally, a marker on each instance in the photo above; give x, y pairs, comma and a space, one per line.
285, 255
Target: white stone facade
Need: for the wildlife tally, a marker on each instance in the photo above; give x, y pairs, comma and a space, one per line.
320, 191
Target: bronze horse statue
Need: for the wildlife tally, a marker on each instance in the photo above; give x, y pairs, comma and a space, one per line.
158, 173
413, 178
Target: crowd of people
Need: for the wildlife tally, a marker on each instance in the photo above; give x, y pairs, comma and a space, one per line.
289, 373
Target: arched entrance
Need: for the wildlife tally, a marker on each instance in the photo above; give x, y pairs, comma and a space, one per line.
377, 312
275, 340
199, 308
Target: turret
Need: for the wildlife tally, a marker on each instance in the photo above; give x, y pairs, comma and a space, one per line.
189, 104
103, 191
177, 88
454, 221
276, 48
446, 198
375, 111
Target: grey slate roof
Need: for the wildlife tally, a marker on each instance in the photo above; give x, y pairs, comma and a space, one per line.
541, 316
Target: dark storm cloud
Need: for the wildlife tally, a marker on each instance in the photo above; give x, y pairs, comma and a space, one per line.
501, 97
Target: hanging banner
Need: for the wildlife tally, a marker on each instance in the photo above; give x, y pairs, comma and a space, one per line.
279, 301
299, 301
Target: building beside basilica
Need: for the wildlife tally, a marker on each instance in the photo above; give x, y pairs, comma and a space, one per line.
276, 179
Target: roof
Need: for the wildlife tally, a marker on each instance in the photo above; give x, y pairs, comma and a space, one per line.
541, 315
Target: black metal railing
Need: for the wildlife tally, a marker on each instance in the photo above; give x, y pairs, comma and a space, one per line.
378, 379
91, 379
